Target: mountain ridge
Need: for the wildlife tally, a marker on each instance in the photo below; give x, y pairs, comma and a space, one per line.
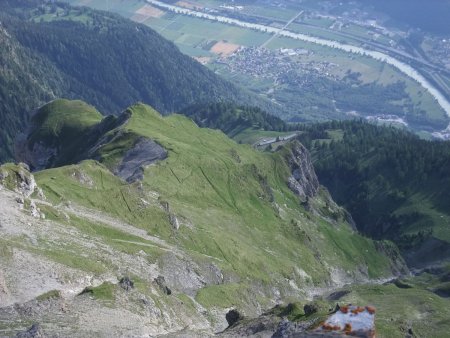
215, 219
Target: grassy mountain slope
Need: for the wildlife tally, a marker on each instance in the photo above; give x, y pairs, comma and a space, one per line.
216, 219
229, 176
394, 184
54, 50
62, 121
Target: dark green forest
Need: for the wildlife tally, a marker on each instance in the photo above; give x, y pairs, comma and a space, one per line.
54, 50
395, 185
231, 118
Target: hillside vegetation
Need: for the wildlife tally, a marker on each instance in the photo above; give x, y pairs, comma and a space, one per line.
233, 119
216, 219
53, 50
394, 184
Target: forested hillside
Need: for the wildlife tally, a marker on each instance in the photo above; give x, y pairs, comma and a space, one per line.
54, 50
232, 118
394, 184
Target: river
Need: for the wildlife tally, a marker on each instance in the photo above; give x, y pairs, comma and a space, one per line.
401, 66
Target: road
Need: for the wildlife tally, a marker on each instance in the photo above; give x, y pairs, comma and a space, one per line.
284, 28
379, 56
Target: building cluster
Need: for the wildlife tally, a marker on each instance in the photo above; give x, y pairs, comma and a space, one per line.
439, 51
283, 65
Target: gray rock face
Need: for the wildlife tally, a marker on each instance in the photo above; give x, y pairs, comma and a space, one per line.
35, 331
287, 329
21, 181
144, 152
181, 274
232, 317
173, 220
4, 292
38, 156
126, 283
303, 180
161, 282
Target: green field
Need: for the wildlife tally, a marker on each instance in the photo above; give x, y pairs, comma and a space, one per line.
194, 31
319, 22
322, 33
281, 14
251, 136
126, 8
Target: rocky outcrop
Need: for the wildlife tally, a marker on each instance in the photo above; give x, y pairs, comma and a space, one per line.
4, 292
233, 316
19, 179
35, 331
303, 180
37, 155
161, 282
104, 132
143, 153
181, 274
126, 283
173, 219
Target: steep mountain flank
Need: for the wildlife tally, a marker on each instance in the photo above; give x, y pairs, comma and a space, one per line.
209, 226
395, 185
52, 50
24, 84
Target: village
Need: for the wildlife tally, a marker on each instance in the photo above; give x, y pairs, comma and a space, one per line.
280, 65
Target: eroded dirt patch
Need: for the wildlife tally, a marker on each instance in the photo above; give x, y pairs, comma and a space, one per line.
224, 48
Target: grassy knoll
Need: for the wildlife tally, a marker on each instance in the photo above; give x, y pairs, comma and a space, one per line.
61, 121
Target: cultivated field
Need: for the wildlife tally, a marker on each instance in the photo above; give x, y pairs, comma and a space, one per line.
189, 4
146, 12
224, 48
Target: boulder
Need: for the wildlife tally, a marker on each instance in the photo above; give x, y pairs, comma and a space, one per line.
311, 308
35, 331
126, 283
161, 282
232, 317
